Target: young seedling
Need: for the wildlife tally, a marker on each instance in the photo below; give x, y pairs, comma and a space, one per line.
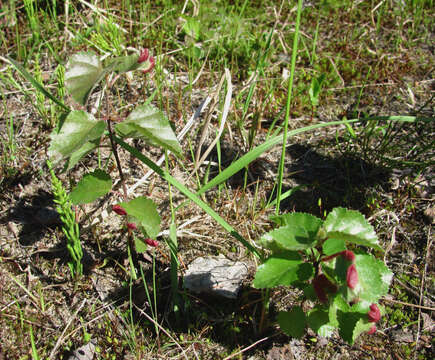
312, 255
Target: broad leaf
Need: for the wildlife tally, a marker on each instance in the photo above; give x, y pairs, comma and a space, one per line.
282, 269
351, 226
288, 238
374, 277
145, 212
333, 246
351, 325
83, 72
318, 320
149, 123
293, 322
91, 187
79, 134
309, 222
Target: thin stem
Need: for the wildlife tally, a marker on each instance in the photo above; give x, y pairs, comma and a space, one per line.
124, 187
287, 110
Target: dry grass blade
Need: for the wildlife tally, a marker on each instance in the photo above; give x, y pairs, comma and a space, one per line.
61, 337
222, 123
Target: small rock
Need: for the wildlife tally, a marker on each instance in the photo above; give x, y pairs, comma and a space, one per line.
218, 276
85, 352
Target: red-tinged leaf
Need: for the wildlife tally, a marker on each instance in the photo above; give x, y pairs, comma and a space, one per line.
131, 226
152, 242
372, 330
352, 276
119, 210
374, 314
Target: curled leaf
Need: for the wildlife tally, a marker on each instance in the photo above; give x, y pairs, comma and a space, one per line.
119, 210
352, 277
374, 314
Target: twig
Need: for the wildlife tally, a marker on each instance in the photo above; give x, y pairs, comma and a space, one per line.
410, 305
423, 278
61, 338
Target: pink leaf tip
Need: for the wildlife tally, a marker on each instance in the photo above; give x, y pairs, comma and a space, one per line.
152, 62
374, 314
119, 210
352, 276
144, 55
372, 330
348, 255
131, 226
151, 242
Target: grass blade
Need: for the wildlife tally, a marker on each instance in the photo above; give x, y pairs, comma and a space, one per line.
189, 194
36, 84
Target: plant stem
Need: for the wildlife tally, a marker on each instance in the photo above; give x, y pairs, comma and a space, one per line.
133, 251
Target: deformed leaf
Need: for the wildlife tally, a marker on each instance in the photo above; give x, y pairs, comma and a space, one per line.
351, 226
79, 134
292, 322
83, 72
145, 212
149, 123
91, 187
282, 269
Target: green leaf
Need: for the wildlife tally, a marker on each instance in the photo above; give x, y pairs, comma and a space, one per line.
83, 72
192, 27
298, 231
374, 278
149, 123
91, 187
287, 238
333, 246
351, 325
145, 212
140, 245
314, 91
318, 320
282, 269
351, 226
79, 134
307, 221
293, 322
